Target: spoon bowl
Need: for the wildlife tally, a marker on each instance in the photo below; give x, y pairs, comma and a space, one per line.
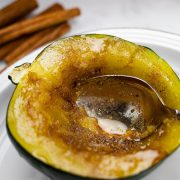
129, 106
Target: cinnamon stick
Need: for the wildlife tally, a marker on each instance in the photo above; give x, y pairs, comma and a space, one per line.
15, 10
5, 49
36, 24
37, 40
54, 7
8, 47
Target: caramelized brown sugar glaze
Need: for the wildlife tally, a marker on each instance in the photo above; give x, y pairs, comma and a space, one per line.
49, 95
79, 131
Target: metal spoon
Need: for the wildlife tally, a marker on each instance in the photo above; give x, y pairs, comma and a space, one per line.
131, 101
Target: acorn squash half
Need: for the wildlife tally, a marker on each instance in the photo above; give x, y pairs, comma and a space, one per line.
57, 137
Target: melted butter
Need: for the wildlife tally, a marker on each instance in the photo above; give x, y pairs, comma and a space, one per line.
109, 126
112, 127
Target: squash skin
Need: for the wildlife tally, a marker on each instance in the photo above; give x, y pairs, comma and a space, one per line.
50, 171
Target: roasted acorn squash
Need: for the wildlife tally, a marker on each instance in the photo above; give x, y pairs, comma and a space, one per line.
56, 136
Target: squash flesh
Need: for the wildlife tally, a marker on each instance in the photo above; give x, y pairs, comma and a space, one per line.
42, 118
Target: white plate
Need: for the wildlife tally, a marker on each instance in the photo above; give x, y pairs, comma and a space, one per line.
13, 167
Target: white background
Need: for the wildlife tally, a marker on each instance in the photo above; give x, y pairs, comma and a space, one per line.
154, 14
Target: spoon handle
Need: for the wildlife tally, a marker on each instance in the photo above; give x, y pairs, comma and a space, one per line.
173, 112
